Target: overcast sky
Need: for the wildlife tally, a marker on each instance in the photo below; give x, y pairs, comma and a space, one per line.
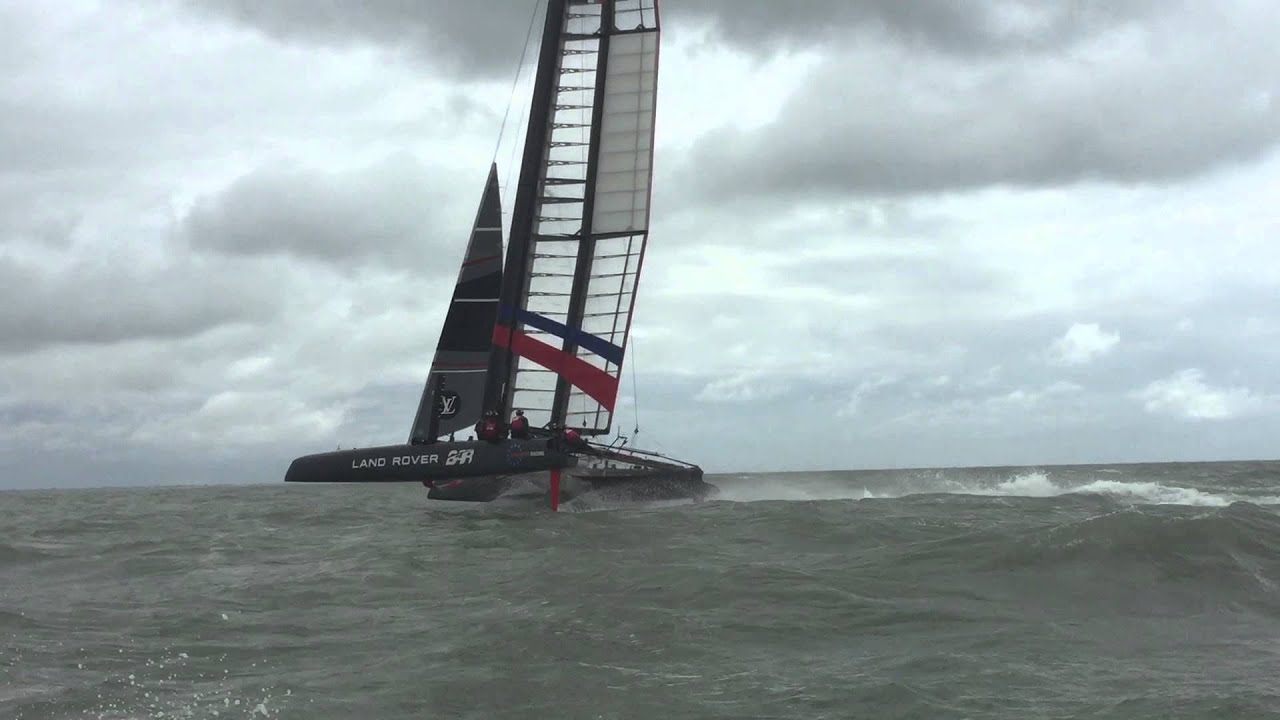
886, 233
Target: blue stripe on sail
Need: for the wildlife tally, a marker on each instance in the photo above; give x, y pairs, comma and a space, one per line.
597, 345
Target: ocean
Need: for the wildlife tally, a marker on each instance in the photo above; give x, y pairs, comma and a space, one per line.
1123, 591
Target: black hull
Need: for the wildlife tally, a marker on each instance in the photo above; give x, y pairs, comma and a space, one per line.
442, 461
656, 487
638, 485
488, 489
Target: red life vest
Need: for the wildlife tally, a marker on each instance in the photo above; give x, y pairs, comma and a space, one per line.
488, 429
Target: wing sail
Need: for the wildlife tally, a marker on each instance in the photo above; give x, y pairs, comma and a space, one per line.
584, 239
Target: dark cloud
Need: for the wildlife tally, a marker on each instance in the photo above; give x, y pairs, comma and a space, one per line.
14, 413
914, 97
394, 210
107, 301
485, 37
167, 105
1146, 108
966, 28
472, 38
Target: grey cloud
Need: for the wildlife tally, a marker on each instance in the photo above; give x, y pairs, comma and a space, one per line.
110, 301
883, 226
37, 138
1005, 371
392, 211
380, 413
836, 319
165, 108
925, 275
970, 28
1234, 337
14, 413
945, 352
1016, 413
997, 405
1153, 348
916, 96
484, 37
914, 422
477, 37
1155, 105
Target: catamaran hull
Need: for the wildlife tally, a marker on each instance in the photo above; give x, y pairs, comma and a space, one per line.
648, 487
488, 489
434, 462
610, 486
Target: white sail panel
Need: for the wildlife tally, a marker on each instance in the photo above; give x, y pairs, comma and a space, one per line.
626, 141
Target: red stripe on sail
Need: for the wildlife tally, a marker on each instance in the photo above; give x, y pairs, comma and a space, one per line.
600, 385
477, 261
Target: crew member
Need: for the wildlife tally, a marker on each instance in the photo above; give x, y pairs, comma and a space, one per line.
519, 426
572, 438
489, 429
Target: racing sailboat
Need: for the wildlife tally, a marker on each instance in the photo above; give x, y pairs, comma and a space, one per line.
544, 330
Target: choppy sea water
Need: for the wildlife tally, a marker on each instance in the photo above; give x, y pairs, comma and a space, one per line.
1127, 591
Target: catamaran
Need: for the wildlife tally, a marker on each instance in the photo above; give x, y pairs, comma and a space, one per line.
544, 331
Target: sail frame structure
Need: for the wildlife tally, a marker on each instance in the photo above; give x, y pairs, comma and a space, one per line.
580, 222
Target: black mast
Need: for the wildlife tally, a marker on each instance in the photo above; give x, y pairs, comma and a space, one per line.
519, 245
587, 243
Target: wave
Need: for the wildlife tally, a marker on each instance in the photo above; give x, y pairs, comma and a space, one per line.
1235, 546
806, 487
1039, 484
792, 489
19, 553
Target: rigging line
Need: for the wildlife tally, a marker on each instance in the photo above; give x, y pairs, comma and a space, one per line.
533, 20
511, 162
